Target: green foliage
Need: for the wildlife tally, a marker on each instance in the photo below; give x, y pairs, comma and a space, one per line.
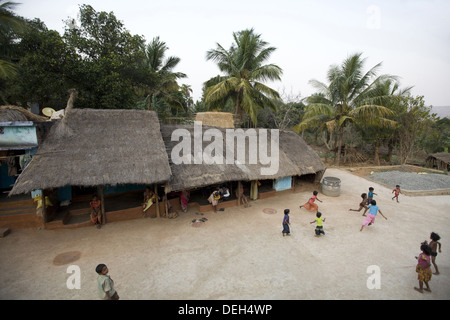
245, 72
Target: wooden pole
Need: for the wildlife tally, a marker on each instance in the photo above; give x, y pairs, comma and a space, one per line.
102, 206
157, 201
239, 193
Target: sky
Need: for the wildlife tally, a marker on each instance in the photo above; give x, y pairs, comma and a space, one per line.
410, 37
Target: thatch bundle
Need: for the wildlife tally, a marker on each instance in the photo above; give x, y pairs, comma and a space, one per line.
106, 147
296, 158
15, 113
216, 119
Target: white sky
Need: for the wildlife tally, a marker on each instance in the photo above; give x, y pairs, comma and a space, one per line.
410, 37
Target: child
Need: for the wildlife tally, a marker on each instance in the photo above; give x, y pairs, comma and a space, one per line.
310, 205
105, 284
362, 204
373, 210
370, 196
214, 199
319, 226
397, 192
96, 212
149, 200
423, 267
286, 230
434, 244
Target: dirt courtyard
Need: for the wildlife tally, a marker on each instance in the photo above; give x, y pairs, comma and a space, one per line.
240, 253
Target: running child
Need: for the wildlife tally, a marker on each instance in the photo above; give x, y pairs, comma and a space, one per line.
319, 227
434, 245
373, 210
362, 204
423, 267
370, 195
396, 192
310, 205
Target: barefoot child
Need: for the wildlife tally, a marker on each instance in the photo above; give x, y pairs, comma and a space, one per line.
434, 244
373, 210
286, 230
363, 204
370, 195
396, 192
105, 285
310, 205
319, 227
423, 267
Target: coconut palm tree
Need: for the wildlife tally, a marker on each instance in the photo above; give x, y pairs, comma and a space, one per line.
9, 24
165, 82
244, 73
350, 97
389, 94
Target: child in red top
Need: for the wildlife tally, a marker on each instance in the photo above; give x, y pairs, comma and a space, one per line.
310, 205
96, 212
396, 192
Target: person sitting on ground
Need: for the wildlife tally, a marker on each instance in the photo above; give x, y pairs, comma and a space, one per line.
214, 199
96, 212
149, 200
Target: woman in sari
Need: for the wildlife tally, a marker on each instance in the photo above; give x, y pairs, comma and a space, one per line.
184, 199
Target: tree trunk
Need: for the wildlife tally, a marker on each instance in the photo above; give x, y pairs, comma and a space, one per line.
377, 154
150, 98
338, 156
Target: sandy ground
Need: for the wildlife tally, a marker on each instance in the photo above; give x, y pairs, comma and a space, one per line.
240, 253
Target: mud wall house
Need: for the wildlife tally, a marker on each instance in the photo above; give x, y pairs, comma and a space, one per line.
20, 134
112, 152
299, 165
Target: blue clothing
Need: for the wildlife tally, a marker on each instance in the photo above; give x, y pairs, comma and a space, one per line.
286, 228
373, 209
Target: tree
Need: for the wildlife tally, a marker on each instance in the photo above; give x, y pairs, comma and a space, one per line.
164, 84
245, 72
389, 94
412, 118
43, 65
10, 26
109, 60
349, 98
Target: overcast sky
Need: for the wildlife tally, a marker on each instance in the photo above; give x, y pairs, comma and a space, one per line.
410, 37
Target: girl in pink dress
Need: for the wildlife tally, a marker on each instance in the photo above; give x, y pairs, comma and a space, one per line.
310, 205
423, 267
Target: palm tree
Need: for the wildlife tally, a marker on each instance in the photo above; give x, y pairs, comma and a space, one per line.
389, 94
244, 73
165, 82
9, 24
350, 97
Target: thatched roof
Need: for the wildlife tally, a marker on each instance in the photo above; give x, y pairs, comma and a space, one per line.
15, 113
98, 147
296, 158
441, 156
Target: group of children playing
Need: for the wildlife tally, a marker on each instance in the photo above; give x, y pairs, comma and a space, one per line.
425, 258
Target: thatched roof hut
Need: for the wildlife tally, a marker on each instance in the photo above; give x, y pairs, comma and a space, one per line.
98, 147
296, 158
440, 160
15, 113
